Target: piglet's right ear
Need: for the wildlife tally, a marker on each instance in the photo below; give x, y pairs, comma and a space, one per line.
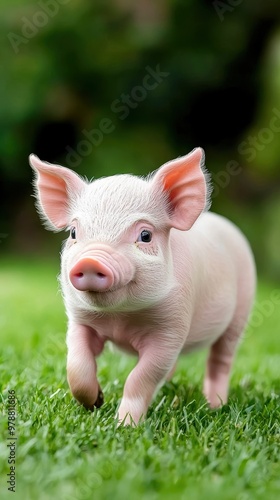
55, 188
184, 183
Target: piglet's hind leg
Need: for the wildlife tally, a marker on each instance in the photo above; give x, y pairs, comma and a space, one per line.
217, 375
222, 352
219, 364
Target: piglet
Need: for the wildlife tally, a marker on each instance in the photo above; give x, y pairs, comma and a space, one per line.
147, 267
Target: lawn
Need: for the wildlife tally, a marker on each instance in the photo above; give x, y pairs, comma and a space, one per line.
183, 450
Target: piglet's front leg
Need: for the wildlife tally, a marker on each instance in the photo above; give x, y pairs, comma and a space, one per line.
83, 345
155, 363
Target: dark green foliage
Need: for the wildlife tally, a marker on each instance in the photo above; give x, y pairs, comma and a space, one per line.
80, 69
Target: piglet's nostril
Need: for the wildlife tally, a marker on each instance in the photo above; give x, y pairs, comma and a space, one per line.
101, 275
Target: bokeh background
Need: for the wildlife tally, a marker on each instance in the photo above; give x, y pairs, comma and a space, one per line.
111, 86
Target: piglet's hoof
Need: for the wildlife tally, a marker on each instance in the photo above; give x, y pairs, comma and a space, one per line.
100, 399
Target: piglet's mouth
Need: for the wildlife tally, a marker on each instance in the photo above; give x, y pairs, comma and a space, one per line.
114, 289
103, 292
114, 300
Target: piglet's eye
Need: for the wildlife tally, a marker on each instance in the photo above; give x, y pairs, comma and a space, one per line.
73, 233
145, 236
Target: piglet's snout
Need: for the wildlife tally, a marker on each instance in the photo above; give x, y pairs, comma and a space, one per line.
89, 274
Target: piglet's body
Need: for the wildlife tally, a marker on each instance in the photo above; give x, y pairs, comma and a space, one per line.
148, 269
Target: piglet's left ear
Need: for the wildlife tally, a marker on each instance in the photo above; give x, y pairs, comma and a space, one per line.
184, 184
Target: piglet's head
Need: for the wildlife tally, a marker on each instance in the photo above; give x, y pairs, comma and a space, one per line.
117, 256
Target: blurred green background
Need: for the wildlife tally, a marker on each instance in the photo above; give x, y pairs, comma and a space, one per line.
111, 86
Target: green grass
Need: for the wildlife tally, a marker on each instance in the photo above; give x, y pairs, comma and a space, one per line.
183, 450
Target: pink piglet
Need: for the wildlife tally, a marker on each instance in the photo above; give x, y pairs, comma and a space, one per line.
149, 268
